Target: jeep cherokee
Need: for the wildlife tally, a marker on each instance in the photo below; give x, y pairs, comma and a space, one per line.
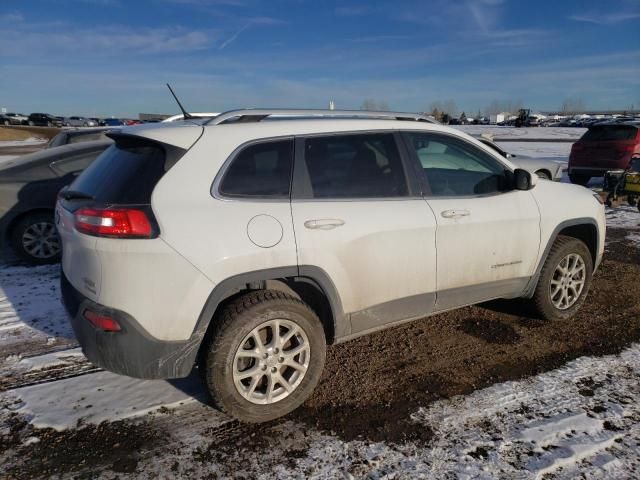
246, 243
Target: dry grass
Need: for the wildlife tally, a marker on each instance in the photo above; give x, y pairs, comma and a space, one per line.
15, 133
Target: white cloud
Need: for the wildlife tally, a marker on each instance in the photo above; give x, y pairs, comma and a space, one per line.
605, 19
99, 41
250, 22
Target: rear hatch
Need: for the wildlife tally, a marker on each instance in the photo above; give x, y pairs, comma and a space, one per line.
605, 146
111, 200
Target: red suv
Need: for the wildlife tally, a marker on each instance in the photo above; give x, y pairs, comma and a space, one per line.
603, 147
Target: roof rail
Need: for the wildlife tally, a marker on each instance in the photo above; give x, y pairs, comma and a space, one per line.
258, 114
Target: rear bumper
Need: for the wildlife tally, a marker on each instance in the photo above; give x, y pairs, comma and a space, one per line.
131, 351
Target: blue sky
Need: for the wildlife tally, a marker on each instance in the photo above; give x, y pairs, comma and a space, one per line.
113, 57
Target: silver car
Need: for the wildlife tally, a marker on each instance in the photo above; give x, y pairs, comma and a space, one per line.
549, 169
79, 122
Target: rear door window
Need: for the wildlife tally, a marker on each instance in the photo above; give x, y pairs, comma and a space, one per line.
355, 166
126, 173
610, 132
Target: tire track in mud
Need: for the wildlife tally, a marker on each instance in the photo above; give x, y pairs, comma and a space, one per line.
46, 375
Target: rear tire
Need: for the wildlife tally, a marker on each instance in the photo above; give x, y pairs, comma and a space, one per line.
247, 363
35, 239
579, 179
564, 280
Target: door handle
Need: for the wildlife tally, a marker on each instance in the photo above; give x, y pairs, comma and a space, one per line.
455, 213
324, 223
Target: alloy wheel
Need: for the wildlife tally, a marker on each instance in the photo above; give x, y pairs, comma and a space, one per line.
271, 361
567, 282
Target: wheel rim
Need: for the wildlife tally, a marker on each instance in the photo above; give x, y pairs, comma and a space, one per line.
40, 240
567, 281
271, 361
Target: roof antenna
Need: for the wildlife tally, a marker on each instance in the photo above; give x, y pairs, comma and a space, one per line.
185, 114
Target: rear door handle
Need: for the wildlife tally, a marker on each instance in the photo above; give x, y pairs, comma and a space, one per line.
455, 213
324, 223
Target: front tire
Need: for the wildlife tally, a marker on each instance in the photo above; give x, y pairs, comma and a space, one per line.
265, 356
35, 239
543, 174
564, 280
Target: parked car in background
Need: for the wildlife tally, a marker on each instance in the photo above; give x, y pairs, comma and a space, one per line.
28, 188
4, 120
549, 169
248, 245
111, 122
81, 135
605, 146
44, 120
17, 118
79, 122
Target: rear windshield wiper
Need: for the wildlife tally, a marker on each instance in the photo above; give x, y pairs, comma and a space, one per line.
75, 195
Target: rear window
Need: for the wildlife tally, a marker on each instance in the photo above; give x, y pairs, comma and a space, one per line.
610, 132
126, 173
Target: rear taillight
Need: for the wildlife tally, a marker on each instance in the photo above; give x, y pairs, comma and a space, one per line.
101, 321
577, 146
114, 222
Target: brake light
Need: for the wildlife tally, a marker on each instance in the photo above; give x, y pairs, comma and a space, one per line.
114, 222
103, 322
577, 146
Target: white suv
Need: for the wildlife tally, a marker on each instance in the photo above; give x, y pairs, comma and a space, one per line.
246, 243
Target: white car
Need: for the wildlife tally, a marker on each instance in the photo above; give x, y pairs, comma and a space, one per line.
79, 122
245, 245
546, 168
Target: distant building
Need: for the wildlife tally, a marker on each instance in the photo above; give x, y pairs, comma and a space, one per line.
499, 117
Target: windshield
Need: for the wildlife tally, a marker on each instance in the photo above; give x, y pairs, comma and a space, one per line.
610, 132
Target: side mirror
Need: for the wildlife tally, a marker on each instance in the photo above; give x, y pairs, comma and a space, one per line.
523, 179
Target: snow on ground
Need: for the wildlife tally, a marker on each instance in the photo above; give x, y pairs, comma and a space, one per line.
551, 133
97, 397
623, 216
555, 151
23, 143
580, 420
30, 309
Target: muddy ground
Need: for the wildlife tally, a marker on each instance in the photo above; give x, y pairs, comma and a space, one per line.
371, 385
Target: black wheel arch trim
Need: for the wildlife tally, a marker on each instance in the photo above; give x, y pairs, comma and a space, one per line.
552, 238
237, 283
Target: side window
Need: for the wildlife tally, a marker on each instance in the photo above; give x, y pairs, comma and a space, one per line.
355, 166
262, 170
74, 164
454, 167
